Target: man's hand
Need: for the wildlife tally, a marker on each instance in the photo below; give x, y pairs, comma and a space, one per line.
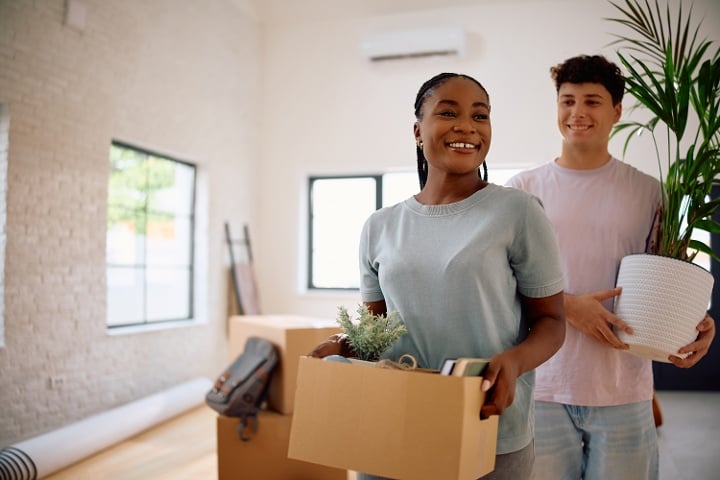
699, 348
587, 314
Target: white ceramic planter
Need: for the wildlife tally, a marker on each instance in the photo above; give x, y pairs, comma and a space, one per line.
663, 299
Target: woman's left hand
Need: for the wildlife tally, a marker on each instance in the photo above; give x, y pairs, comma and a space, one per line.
499, 384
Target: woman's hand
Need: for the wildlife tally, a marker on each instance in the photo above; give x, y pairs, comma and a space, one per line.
336, 344
499, 383
546, 321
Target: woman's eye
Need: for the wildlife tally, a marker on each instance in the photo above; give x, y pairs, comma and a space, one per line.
447, 113
481, 116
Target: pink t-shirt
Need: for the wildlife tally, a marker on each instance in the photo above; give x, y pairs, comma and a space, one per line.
600, 216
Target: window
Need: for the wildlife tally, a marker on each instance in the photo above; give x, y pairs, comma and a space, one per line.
150, 230
338, 208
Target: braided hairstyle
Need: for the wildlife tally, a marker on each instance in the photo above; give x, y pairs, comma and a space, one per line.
425, 91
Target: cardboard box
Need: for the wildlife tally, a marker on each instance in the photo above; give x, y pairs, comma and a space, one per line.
294, 335
393, 423
264, 456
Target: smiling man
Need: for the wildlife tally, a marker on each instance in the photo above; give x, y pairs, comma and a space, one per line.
594, 417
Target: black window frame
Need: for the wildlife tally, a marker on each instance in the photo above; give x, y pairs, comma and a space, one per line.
378, 178
192, 218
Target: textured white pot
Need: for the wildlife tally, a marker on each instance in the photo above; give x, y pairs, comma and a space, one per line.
663, 299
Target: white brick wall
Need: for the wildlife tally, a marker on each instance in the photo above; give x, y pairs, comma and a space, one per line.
176, 76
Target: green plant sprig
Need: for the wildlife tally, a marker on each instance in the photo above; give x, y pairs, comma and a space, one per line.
370, 335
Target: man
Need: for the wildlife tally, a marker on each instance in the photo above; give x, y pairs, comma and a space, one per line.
594, 417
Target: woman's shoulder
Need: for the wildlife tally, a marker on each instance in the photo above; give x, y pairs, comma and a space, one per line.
511, 194
390, 211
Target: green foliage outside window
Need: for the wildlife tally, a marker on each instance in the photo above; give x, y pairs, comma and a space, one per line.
135, 180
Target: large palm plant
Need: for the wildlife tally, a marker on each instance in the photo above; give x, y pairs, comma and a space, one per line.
675, 75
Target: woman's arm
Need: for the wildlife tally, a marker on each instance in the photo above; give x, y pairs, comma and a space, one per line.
546, 319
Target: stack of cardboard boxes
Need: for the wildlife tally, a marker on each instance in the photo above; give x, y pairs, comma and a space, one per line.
327, 420
264, 456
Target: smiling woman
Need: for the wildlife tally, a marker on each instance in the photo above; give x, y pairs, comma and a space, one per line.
461, 259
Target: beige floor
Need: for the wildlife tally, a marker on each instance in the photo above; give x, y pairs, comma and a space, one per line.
180, 449
185, 447
689, 438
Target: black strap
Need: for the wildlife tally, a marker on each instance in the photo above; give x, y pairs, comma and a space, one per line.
247, 421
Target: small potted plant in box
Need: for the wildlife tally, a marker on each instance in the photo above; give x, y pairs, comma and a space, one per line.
675, 77
370, 335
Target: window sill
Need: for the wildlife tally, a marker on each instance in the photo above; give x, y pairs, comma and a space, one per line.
152, 327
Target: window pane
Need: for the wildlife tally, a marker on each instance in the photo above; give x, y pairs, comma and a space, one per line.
128, 178
340, 208
167, 240
125, 237
398, 187
125, 296
164, 288
168, 186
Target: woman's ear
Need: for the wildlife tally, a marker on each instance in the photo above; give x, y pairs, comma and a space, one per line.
416, 132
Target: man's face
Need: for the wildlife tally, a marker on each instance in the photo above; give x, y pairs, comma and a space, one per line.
586, 114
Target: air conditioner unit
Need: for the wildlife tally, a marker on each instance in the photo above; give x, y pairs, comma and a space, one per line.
421, 42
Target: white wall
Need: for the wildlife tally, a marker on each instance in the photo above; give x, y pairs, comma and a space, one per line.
328, 110
178, 77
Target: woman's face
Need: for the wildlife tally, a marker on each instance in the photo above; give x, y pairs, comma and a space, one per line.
455, 128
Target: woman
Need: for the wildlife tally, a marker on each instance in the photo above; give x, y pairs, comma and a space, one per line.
471, 267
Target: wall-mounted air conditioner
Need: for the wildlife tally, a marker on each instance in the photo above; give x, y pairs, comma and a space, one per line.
421, 42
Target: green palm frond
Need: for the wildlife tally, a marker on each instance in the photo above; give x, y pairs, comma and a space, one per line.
674, 75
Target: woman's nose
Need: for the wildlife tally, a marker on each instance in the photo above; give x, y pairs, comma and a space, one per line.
464, 125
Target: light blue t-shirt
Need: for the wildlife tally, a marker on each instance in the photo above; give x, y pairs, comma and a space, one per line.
453, 272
